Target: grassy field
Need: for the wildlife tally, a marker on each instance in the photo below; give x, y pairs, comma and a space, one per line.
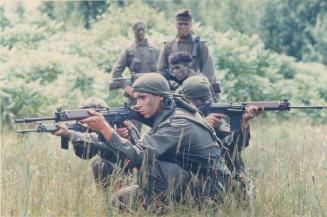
286, 162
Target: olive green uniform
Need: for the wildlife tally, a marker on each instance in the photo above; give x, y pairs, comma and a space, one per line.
180, 145
87, 145
198, 87
138, 58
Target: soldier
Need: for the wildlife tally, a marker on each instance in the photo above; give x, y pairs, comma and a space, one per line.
201, 58
139, 57
181, 68
197, 90
180, 146
87, 145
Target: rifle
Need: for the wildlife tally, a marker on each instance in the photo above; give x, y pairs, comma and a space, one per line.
127, 81
114, 116
235, 111
51, 128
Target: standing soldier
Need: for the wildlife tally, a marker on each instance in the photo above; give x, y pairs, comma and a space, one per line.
201, 58
139, 57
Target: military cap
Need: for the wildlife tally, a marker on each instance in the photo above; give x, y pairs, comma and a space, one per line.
184, 15
180, 57
138, 24
94, 102
152, 83
197, 86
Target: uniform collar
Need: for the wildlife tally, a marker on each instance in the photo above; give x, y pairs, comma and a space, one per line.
161, 117
188, 39
143, 43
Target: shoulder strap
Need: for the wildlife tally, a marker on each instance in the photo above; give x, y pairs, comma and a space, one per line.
167, 45
196, 47
184, 115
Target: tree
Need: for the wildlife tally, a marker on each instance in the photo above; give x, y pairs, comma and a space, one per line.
290, 27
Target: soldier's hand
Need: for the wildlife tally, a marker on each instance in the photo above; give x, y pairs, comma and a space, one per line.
125, 131
250, 113
62, 131
215, 119
115, 85
98, 123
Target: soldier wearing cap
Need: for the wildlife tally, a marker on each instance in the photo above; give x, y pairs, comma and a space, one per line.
198, 91
201, 58
87, 145
139, 57
181, 66
180, 146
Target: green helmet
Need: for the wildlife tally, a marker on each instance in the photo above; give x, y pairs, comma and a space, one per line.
197, 86
152, 83
94, 102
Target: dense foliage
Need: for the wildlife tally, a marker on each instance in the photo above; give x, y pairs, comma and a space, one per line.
46, 62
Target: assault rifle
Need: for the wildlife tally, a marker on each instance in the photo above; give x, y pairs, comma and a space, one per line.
51, 128
114, 116
123, 82
235, 111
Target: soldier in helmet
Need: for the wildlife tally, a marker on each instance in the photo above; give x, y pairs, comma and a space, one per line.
139, 57
180, 146
198, 91
202, 61
87, 145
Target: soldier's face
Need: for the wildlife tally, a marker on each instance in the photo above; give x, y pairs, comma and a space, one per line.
183, 28
180, 71
148, 104
139, 33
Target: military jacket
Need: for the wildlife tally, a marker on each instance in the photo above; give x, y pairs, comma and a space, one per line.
173, 139
87, 145
138, 58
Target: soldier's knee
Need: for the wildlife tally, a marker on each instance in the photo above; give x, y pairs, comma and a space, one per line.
101, 168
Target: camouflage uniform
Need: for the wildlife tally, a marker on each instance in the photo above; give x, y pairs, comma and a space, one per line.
180, 147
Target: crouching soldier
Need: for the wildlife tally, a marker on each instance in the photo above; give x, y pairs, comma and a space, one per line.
87, 145
180, 152
198, 91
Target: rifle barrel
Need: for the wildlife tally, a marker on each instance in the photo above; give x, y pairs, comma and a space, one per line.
28, 120
26, 131
121, 79
308, 107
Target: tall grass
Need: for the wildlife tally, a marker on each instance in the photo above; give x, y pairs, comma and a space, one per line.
286, 162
